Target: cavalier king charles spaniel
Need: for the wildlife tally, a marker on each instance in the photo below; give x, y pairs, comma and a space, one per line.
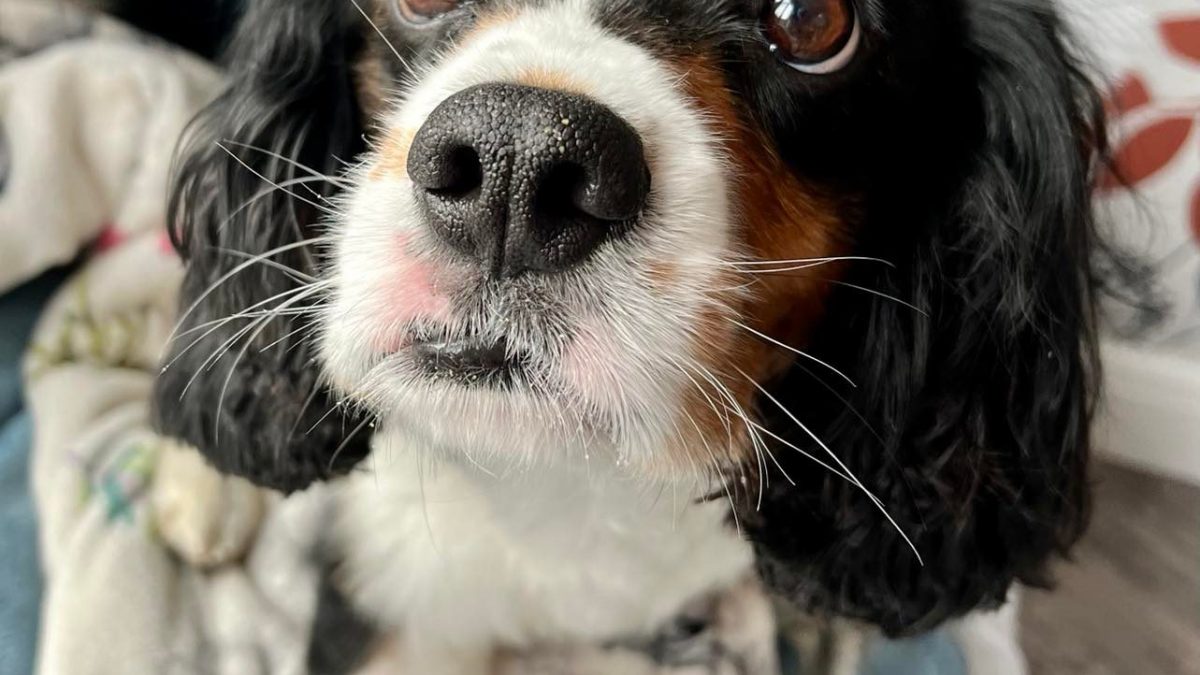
587, 308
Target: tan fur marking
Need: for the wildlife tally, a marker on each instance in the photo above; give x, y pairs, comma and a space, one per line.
663, 275
368, 75
393, 155
782, 218
489, 21
368, 72
543, 78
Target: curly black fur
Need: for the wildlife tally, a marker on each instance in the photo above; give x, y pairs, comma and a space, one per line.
199, 25
261, 410
971, 424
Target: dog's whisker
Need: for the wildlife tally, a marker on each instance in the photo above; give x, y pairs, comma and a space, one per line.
308, 401
237, 270
755, 436
841, 399
699, 434
805, 263
286, 336
223, 349
752, 428
270, 190
276, 185
320, 207
312, 328
880, 294
733, 407
249, 312
849, 474
712, 404
817, 461
368, 421
804, 453
291, 272
313, 173
213, 357
217, 324
774, 460
720, 474
797, 352
386, 41
337, 405
263, 323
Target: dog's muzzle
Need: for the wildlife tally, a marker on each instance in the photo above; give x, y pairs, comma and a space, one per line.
527, 180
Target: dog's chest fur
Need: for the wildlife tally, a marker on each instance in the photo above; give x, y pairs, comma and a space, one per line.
452, 554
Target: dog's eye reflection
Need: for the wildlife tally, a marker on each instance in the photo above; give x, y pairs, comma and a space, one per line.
813, 36
424, 11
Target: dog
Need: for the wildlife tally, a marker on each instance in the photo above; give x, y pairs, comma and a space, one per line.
587, 308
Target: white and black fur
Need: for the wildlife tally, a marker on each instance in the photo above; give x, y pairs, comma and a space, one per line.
960, 147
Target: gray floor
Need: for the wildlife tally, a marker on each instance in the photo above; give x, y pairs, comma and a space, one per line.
1130, 602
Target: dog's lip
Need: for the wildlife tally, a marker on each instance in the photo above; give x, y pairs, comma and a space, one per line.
472, 360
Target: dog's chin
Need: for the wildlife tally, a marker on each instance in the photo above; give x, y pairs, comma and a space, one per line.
487, 401
483, 410
439, 381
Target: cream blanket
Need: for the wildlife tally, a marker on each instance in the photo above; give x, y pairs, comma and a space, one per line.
90, 113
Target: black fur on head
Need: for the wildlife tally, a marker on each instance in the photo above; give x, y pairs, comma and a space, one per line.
970, 422
246, 392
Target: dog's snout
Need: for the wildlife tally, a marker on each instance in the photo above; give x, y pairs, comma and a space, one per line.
526, 179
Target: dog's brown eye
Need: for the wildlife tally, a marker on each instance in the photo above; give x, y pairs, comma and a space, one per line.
424, 11
813, 36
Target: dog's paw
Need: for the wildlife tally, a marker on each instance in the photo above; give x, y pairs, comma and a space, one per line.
207, 518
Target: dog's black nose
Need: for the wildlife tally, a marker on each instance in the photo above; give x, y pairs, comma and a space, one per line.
527, 179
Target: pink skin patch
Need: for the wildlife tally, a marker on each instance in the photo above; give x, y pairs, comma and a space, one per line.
407, 294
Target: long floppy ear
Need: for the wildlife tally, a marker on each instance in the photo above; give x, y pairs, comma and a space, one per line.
240, 381
970, 421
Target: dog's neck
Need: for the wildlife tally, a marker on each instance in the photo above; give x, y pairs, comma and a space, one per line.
474, 553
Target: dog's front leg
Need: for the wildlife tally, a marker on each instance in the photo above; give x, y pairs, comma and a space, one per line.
207, 518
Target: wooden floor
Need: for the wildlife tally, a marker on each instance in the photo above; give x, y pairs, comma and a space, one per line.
1130, 603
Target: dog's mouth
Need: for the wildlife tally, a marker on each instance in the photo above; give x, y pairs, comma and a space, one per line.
469, 360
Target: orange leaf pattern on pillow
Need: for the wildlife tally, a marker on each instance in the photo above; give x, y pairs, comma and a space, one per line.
1150, 149
1155, 115
1129, 95
1182, 37
1196, 214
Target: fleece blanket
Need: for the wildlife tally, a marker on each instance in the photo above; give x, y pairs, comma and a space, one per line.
154, 564
20, 577
90, 113
22, 33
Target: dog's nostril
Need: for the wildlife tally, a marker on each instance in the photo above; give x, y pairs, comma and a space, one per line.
526, 179
569, 190
562, 193
460, 175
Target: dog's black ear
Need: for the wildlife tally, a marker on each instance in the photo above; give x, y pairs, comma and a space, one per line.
970, 420
240, 381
